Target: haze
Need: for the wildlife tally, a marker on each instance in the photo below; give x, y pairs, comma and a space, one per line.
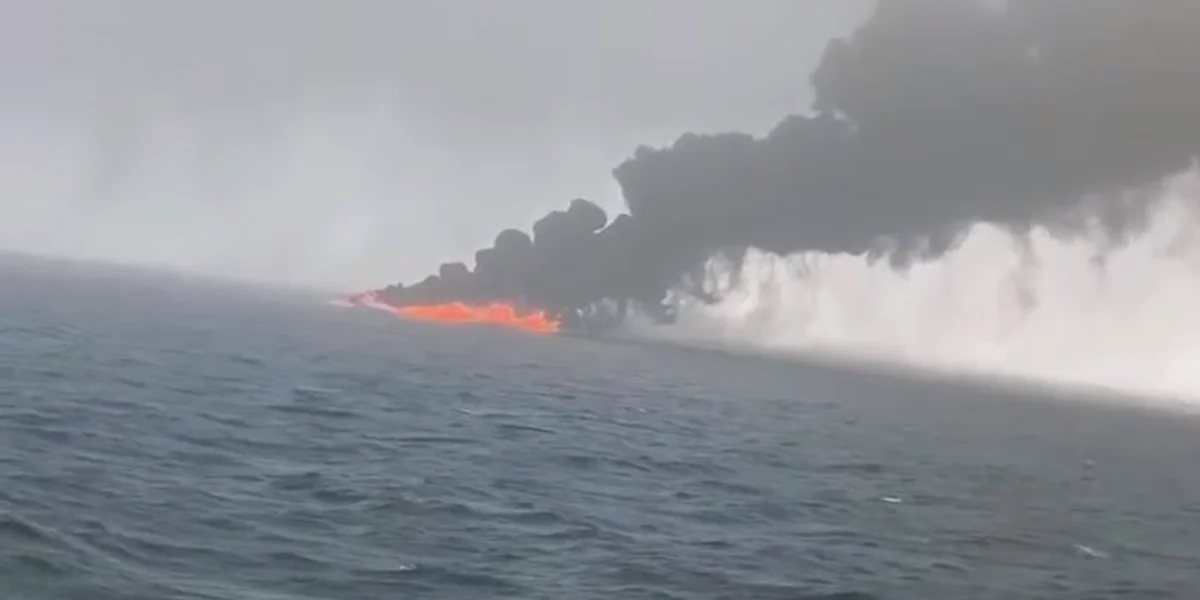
353, 143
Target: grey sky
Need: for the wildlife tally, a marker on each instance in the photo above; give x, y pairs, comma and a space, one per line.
346, 141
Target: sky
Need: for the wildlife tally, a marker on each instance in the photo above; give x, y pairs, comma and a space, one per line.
358, 142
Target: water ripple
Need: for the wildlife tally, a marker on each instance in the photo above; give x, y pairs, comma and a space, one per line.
231, 449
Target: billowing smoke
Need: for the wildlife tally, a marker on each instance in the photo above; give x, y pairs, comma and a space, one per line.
933, 115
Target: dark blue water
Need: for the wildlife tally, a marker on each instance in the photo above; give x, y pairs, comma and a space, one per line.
165, 439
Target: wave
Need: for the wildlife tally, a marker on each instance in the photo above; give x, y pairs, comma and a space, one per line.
1077, 308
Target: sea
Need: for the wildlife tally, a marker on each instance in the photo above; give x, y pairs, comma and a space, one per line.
168, 437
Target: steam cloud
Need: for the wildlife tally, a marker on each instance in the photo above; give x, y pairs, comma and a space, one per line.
933, 115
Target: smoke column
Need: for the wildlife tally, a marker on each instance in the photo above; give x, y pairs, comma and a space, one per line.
947, 139
1077, 310
966, 158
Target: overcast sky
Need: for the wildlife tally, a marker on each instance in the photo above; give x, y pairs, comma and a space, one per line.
342, 142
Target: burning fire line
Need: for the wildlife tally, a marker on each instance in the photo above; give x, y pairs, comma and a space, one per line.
496, 313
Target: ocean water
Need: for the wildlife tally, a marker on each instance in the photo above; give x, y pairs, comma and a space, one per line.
164, 438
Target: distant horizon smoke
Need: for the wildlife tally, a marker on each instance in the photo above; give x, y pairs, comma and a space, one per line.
934, 115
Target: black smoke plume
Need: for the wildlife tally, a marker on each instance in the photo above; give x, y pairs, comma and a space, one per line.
932, 115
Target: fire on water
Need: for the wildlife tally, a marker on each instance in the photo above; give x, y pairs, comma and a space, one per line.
496, 313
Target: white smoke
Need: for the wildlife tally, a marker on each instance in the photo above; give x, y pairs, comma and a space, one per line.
1076, 310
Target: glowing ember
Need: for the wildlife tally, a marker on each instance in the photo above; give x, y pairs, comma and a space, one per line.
497, 313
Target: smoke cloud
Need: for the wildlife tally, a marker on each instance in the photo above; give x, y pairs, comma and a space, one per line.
1073, 310
932, 115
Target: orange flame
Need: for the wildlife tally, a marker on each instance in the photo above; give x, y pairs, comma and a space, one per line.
497, 313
